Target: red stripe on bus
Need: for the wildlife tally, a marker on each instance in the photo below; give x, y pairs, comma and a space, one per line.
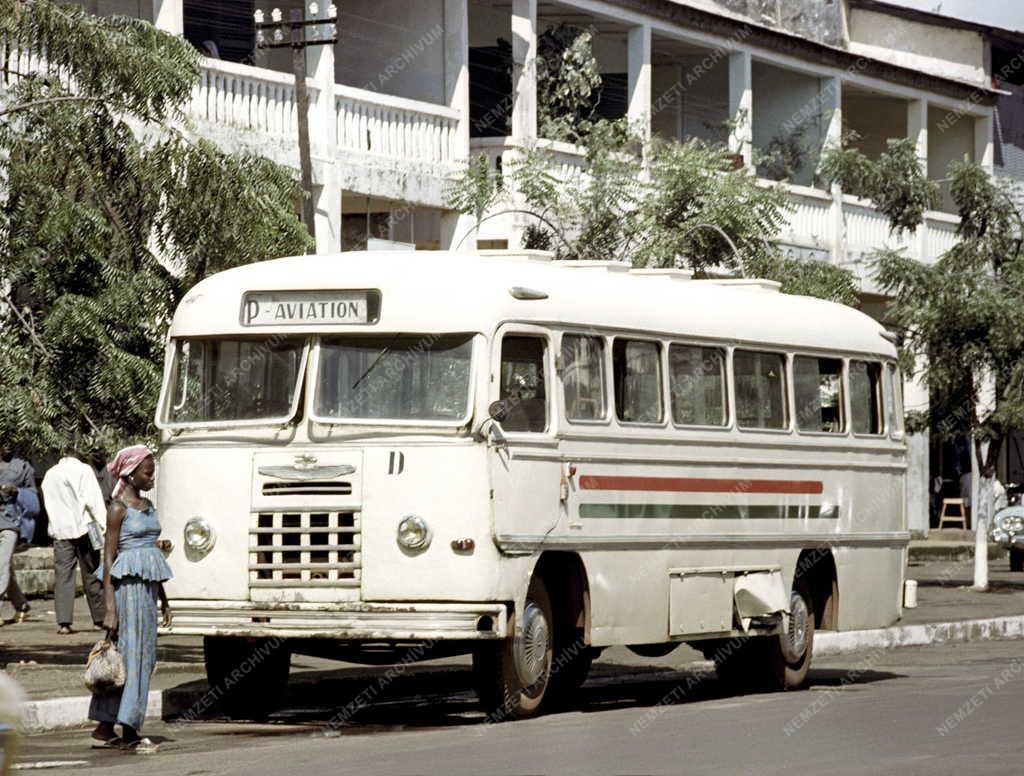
700, 485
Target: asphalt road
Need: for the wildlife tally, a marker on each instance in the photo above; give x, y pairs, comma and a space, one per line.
953, 709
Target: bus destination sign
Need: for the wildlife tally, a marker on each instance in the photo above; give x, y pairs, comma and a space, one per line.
291, 308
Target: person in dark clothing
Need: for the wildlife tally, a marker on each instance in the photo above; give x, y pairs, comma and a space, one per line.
15, 474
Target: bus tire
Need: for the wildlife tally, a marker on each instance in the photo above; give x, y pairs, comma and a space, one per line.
249, 675
789, 654
1016, 559
512, 676
569, 671
778, 662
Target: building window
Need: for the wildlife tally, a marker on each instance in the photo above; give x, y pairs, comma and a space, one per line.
866, 397
817, 386
636, 367
760, 389
523, 383
697, 385
583, 377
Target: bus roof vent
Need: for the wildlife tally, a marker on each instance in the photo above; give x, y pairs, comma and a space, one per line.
606, 266
522, 254
663, 272
756, 284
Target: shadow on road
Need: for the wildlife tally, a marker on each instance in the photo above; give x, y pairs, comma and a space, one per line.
432, 697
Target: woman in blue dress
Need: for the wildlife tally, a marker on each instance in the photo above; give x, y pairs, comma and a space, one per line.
134, 570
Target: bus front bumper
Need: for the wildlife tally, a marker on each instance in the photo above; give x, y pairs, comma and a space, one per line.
347, 621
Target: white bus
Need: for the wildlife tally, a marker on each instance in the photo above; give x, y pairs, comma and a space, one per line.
378, 454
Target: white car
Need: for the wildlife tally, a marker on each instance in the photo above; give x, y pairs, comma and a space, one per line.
1008, 531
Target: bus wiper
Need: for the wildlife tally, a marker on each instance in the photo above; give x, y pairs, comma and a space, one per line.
376, 361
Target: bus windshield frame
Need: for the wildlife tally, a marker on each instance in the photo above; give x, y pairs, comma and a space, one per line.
314, 388
166, 403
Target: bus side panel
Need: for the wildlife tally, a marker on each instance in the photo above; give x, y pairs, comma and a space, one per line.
870, 586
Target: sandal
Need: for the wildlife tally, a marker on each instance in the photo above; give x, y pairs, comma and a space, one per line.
64, 630
139, 746
109, 743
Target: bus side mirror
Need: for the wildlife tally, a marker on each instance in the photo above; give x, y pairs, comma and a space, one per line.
498, 410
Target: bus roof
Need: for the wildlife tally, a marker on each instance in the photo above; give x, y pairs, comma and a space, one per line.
441, 292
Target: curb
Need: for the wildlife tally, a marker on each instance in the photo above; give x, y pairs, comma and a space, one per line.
990, 629
64, 713
942, 550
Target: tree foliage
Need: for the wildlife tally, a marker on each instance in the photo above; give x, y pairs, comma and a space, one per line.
894, 182
109, 213
568, 83
965, 313
660, 204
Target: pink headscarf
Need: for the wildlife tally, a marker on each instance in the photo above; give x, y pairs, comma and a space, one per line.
125, 462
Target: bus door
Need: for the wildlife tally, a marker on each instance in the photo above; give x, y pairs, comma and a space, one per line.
525, 472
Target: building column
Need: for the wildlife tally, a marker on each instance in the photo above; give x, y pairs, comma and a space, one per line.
524, 71
322, 138
984, 142
918, 499
832, 108
169, 16
917, 130
456, 227
741, 107
638, 111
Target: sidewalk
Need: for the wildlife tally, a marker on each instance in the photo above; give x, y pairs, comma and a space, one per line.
49, 667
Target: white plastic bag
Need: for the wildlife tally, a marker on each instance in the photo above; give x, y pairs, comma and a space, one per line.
104, 670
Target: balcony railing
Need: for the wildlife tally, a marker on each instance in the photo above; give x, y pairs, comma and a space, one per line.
812, 223
248, 98
263, 102
394, 127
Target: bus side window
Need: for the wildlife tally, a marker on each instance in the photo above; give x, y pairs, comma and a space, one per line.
697, 385
583, 377
523, 385
636, 367
817, 386
866, 397
894, 386
760, 389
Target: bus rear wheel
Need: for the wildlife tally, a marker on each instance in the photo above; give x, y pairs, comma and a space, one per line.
249, 676
512, 676
778, 662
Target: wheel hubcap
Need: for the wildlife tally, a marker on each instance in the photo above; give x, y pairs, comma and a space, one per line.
532, 645
795, 627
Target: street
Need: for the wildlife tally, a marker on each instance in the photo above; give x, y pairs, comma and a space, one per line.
954, 708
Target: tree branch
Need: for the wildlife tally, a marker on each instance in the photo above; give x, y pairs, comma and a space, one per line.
47, 101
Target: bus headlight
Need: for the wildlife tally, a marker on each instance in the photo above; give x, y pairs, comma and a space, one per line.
199, 536
413, 533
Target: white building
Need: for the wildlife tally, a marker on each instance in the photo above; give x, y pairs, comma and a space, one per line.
414, 87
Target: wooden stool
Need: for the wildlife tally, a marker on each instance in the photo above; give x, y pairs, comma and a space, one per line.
946, 515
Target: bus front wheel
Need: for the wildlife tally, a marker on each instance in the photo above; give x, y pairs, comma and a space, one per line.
248, 676
512, 676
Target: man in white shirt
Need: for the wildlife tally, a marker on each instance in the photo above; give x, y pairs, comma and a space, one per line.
73, 499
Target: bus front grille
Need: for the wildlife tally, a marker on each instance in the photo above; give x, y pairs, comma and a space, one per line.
318, 548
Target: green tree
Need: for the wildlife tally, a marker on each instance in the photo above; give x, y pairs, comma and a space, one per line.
964, 312
109, 212
660, 204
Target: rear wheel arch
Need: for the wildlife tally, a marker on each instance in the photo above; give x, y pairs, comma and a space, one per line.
817, 568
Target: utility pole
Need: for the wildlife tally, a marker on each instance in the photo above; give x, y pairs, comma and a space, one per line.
293, 35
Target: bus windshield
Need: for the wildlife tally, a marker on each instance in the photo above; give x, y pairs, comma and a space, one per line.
230, 380
398, 377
